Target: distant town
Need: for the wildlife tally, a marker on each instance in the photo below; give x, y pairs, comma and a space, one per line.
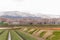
25, 21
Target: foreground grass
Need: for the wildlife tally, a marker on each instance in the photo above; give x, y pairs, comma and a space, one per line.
42, 34
4, 36
14, 35
32, 32
25, 36
1, 30
56, 36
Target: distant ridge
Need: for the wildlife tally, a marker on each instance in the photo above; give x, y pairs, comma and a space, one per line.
17, 14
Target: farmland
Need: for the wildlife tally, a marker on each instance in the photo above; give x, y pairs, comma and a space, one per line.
29, 33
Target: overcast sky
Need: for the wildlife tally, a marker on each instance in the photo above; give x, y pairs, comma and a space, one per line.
51, 7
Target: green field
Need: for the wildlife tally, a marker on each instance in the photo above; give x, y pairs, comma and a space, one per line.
4, 35
14, 35
29, 33
55, 37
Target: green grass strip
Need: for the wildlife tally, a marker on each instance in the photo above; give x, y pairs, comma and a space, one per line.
4, 36
32, 31
56, 35
14, 36
42, 33
25, 36
2, 31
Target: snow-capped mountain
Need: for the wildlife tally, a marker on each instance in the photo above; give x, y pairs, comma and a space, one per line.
16, 14
46, 15
42, 15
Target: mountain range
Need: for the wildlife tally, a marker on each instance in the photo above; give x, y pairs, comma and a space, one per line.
17, 14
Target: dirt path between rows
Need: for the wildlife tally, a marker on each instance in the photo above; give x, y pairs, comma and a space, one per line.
9, 36
49, 28
41, 28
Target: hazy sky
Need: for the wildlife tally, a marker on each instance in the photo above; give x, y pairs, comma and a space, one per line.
34, 6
